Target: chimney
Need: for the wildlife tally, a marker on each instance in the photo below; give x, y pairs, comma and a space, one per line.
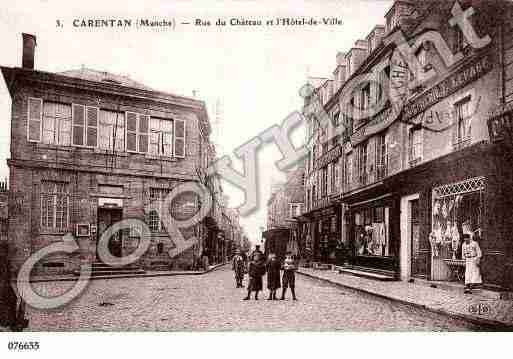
339, 74
29, 50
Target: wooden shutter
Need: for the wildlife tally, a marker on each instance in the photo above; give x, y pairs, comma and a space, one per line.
78, 116
143, 133
35, 119
92, 126
179, 136
131, 132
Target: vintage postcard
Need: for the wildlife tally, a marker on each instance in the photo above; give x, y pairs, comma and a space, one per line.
297, 166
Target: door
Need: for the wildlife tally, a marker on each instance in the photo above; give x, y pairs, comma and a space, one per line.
419, 249
106, 218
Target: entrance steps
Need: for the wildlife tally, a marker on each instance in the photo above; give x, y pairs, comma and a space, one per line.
370, 273
99, 269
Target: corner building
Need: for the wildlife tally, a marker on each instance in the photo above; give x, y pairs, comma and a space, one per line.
90, 148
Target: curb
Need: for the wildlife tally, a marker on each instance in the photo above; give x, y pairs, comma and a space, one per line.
487, 323
123, 276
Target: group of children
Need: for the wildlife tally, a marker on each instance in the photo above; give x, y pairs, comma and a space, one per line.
258, 267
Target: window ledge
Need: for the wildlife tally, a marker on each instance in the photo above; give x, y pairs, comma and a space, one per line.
161, 158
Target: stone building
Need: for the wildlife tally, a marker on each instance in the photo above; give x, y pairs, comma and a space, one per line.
432, 163
284, 207
89, 148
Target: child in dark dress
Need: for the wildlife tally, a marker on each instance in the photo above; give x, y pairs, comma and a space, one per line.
273, 276
256, 271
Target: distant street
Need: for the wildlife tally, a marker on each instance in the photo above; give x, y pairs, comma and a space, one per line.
211, 302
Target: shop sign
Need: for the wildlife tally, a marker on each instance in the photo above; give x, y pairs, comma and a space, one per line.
379, 123
500, 125
329, 157
448, 86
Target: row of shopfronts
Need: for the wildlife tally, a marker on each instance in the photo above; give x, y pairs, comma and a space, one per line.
411, 224
438, 183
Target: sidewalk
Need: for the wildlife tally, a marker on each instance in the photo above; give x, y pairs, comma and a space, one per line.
72, 278
475, 308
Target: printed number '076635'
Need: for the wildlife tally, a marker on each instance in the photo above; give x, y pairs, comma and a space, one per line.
22, 346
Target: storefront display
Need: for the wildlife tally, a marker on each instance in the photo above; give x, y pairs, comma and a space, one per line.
457, 209
372, 232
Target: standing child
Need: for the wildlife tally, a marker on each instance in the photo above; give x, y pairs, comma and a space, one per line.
238, 266
256, 271
273, 276
289, 277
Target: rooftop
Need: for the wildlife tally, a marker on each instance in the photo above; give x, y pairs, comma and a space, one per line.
103, 76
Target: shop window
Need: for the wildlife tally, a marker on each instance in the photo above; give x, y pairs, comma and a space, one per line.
371, 232
54, 205
457, 210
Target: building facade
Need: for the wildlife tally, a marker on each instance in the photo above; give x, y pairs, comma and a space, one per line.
90, 148
432, 164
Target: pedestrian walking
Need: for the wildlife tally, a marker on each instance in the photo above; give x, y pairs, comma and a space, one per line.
238, 266
472, 254
273, 276
256, 271
289, 277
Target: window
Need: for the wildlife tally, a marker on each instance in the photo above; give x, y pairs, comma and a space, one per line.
362, 163
294, 210
112, 131
56, 124
463, 118
85, 125
324, 182
167, 137
137, 132
348, 171
415, 144
35, 114
157, 197
334, 177
381, 156
54, 205
371, 232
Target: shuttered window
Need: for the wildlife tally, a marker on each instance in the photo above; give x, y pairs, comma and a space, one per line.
137, 132
92, 126
35, 114
179, 138
78, 112
56, 124
111, 131
161, 136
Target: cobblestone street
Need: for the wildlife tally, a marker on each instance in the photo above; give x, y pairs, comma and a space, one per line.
211, 302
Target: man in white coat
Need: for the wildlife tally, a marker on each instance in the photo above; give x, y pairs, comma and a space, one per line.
472, 254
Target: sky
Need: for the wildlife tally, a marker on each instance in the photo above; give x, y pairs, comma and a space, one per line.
253, 73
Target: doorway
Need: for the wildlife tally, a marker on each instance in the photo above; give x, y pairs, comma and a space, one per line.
106, 218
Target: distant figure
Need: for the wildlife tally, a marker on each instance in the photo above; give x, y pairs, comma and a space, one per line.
289, 277
204, 259
472, 254
257, 250
238, 266
273, 276
256, 271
